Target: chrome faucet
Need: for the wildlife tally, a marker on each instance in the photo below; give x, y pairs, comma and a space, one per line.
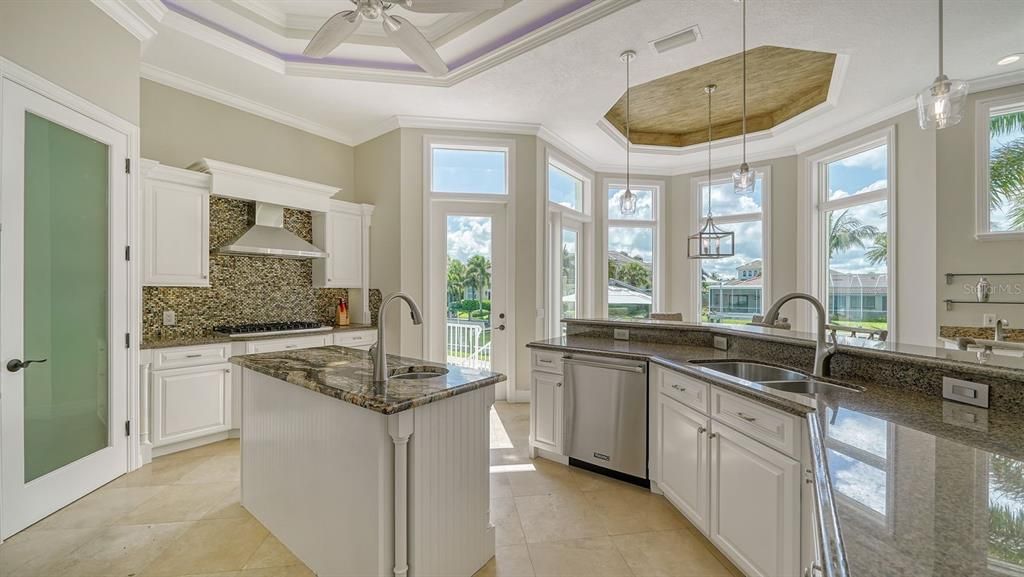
822, 350
379, 351
1000, 325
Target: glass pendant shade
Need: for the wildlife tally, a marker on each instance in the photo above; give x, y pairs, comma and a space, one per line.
711, 242
743, 180
627, 203
942, 103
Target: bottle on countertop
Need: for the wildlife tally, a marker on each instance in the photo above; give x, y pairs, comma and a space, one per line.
341, 315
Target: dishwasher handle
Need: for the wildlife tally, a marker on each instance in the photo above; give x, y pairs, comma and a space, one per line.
614, 367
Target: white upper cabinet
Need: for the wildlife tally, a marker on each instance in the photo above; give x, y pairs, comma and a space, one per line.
343, 233
175, 226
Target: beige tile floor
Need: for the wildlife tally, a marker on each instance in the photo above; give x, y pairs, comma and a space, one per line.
181, 516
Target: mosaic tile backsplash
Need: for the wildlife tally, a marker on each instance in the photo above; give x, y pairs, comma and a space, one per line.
244, 289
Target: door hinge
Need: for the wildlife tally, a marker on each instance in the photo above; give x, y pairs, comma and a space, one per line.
127, 340
128, 165
127, 253
127, 428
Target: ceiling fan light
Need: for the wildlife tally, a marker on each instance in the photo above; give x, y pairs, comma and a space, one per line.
941, 104
743, 180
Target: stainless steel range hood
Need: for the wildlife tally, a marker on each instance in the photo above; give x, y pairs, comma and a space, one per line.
267, 237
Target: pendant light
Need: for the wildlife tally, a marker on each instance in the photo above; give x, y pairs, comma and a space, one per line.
710, 241
941, 103
627, 202
743, 177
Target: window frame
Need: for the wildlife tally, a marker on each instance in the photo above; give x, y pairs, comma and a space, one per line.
816, 282
697, 220
886, 464
982, 113
658, 272
472, 144
557, 217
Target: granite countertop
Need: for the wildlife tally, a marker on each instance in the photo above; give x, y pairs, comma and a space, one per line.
212, 338
347, 374
918, 489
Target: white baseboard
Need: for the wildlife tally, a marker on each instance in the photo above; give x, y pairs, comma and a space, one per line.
545, 454
520, 396
192, 443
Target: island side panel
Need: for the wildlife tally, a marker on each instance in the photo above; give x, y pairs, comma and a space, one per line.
318, 473
450, 533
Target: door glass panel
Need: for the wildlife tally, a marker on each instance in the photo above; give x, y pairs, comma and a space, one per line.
66, 398
468, 331
569, 274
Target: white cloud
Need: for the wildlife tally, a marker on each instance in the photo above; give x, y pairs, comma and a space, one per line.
860, 482
875, 159
469, 236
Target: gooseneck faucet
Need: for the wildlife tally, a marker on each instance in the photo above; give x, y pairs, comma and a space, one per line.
822, 350
379, 351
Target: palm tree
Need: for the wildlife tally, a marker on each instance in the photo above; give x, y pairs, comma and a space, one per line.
846, 231
879, 252
1006, 171
456, 280
478, 275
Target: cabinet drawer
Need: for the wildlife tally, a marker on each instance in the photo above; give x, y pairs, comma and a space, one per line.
762, 423
275, 345
355, 339
547, 361
686, 390
179, 357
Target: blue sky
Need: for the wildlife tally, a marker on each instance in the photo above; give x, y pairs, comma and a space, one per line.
851, 176
724, 201
469, 171
469, 236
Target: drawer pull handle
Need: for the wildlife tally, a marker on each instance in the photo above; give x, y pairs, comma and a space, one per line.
679, 388
746, 418
290, 346
194, 356
545, 361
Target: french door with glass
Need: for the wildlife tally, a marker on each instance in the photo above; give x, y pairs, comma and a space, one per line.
469, 280
63, 306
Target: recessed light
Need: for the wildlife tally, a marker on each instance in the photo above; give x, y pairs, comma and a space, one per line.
1006, 60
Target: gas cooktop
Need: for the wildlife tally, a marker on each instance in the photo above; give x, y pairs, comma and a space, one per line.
280, 328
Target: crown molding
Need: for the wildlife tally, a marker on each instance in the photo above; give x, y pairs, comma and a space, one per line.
125, 14
995, 81
155, 8
195, 27
194, 87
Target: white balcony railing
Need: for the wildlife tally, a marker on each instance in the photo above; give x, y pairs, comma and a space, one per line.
469, 344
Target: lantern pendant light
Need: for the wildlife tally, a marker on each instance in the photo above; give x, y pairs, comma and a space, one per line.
941, 103
743, 177
627, 201
710, 241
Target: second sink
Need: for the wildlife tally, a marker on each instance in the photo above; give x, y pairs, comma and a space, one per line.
807, 387
754, 372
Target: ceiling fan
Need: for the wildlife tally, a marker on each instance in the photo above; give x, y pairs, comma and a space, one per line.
406, 36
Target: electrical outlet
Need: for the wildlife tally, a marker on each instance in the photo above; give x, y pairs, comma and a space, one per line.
989, 320
721, 343
170, 319
621, 334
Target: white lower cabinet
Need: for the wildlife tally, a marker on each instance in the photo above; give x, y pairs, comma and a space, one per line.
190, 402
755, 504
683, 459
546, 408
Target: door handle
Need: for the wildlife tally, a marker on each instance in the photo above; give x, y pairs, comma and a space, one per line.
15, 365
501, 327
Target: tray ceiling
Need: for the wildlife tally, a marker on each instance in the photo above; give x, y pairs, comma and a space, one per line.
673, 110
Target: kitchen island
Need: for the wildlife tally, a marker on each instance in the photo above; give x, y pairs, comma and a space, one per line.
362, 478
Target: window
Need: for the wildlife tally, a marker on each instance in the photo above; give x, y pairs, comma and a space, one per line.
468, 170
854, 223
859, 461
569, 236
1000, 189
564, 188
734, 289
632, 251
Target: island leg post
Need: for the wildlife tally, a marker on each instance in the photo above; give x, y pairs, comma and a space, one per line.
400, 427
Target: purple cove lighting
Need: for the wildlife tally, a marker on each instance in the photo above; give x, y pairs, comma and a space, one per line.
379, 65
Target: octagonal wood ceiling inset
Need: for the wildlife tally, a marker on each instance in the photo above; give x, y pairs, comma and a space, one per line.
672, 110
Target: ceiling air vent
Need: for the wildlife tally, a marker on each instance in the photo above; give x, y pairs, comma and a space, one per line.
676, 39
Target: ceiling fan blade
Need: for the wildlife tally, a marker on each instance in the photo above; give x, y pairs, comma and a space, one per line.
451, 5
335, 31
415, 46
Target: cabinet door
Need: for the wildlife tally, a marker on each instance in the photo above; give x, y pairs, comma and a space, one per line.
546, 411
755, 504
345, 259
191, 402
682, 445
176, 234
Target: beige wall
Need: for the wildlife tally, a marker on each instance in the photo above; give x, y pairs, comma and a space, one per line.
958, 250
179, 128
76, 46
782, 253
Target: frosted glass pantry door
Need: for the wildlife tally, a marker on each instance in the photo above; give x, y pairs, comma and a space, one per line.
63, 304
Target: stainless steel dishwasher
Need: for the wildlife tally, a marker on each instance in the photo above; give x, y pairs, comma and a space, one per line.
606, 415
